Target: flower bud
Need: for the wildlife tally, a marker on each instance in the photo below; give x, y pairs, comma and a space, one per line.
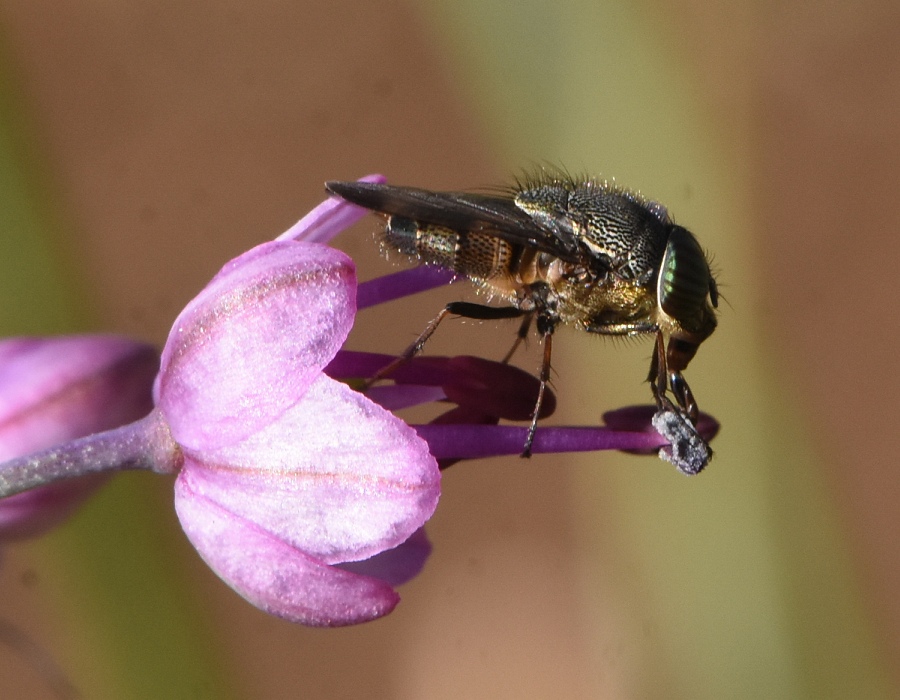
53, 390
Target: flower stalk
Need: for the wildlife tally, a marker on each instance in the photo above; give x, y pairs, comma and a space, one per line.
144, 444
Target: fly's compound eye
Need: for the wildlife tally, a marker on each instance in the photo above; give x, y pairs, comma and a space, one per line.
684, 278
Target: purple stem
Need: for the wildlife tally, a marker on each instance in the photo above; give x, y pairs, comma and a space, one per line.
144, 444
474, 441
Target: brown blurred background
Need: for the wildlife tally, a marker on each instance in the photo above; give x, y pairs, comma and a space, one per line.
174, 136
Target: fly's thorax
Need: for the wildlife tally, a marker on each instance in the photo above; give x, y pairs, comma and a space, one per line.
613, 306
621, 228
612, 224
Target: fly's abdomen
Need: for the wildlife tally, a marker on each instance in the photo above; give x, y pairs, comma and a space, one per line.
479, 256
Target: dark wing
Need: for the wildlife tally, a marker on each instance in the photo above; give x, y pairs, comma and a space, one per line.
458, 211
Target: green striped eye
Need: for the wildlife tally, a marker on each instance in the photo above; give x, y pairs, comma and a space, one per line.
684, 278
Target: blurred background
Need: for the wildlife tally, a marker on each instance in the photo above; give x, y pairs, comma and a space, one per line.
142, 145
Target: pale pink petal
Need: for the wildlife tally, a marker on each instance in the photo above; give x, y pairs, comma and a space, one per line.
245, 349
336, 476
327, 220
272, 575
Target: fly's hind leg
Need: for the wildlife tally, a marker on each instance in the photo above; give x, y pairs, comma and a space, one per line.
456, 308
521, 336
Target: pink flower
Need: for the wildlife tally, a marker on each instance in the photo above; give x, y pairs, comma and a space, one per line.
287, 472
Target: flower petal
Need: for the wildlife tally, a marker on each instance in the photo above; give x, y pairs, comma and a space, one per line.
398, 565
336, 476
275, 577
60, 388
328, 219
247, 347
396, 397
494, 388
403, 284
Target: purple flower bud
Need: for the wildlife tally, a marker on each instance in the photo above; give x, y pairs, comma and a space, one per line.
58, 389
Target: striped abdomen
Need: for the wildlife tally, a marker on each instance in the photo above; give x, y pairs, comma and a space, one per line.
481, 257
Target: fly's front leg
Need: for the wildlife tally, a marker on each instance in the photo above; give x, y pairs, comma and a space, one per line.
662, 380
684, 396
659, 375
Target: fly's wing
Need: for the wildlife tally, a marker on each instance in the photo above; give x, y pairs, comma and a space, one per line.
458, 211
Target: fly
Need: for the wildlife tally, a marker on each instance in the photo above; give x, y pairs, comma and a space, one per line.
560, 251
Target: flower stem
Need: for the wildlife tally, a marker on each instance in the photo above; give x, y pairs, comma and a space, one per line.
144, 444
478, 441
